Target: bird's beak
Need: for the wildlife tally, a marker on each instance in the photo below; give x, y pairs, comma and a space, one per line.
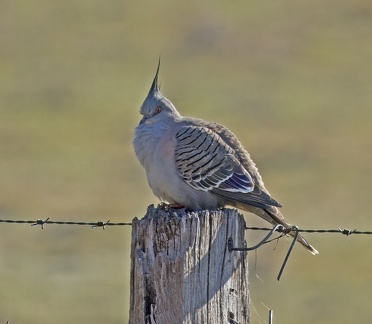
142, 121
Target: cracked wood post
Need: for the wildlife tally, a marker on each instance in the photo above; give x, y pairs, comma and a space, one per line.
182, 270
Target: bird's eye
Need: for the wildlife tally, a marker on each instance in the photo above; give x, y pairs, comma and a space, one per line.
157, 109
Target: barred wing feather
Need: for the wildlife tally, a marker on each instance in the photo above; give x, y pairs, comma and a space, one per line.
206, 162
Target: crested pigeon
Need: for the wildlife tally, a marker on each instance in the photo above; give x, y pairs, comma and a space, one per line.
198, 164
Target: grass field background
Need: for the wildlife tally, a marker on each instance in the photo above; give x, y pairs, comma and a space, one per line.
292, 79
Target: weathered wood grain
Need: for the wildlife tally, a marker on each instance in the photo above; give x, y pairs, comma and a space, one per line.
182, 270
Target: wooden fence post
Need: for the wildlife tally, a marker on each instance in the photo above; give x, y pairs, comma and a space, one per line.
182, 270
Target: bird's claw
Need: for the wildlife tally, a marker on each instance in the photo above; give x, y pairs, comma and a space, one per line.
167, 207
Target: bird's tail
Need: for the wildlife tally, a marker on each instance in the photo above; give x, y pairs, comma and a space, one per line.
274, 216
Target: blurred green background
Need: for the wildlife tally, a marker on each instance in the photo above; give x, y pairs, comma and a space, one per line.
292, 79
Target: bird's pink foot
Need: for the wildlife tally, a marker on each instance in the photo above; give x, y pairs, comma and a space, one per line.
176, 206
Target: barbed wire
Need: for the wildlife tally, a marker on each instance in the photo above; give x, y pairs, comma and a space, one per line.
102, 224
284, 231
47, 221
344, 231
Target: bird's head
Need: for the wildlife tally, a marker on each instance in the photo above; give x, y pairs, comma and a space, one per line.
156, 107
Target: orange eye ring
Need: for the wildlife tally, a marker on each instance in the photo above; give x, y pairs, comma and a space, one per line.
158, 109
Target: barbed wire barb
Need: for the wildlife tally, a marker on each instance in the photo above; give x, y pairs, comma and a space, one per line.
40, 222
101, 224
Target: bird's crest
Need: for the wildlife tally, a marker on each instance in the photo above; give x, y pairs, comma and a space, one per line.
155, 85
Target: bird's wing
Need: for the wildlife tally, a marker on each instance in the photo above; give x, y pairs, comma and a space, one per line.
208, 163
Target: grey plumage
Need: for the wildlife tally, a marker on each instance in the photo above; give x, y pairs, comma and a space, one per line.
199, 164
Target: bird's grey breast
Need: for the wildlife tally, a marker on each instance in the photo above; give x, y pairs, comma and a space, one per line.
154, 147
148, 138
